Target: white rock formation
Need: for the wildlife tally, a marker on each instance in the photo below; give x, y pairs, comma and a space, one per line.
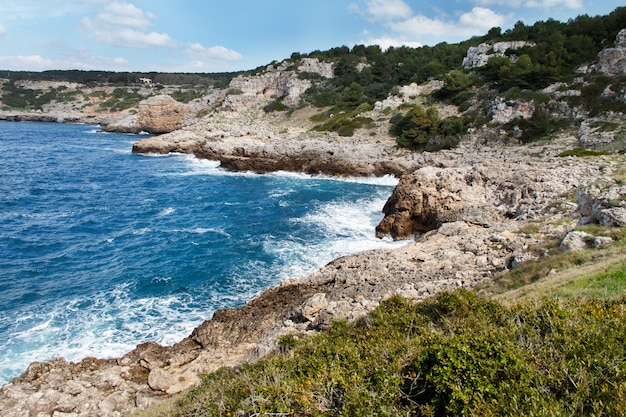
325, 69
407, 93
613, 60
477, 56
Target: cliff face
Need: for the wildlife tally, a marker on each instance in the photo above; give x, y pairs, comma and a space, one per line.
613, 60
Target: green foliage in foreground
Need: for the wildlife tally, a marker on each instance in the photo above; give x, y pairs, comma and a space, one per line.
455, 354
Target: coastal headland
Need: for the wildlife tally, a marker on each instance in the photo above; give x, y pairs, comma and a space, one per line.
470, 211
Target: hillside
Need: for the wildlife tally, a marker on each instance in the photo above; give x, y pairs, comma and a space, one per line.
509, 150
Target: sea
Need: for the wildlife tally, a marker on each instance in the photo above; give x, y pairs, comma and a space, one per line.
102, 249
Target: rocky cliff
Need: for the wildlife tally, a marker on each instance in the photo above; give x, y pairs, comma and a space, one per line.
613, 60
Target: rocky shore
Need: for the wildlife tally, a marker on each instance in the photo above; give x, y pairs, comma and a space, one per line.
467, 214
465, 211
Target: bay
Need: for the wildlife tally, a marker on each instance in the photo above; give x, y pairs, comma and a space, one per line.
102, 249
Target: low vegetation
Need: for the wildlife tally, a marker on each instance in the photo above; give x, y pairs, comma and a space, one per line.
456, 354
423, 129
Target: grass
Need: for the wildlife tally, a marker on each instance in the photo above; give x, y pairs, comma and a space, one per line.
609, 282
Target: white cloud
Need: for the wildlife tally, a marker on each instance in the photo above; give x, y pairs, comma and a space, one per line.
39, 63
220, 53
205, 59
476, 22
480, 19
32, 62
386, 42
125, 14
3, 31
545, 4
388, 10
123, 24
512, 3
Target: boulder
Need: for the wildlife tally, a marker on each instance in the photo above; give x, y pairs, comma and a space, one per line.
576, 241
430, 197
314, 305
161, 114
605, 205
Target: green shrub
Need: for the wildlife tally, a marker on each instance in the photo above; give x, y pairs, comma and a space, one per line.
422, 129
455, 354
275, 105
234, 92
580, 152
343, 122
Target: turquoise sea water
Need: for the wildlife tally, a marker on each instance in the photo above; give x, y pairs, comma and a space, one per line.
101, 249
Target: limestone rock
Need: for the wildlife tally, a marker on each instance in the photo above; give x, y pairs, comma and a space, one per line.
594, 137
161, 114
176, 142
253, 89
325, 69
407, 93
477, 56
613, 60
576, 241
502, 112
314, 305
160, 380
426, 199
605, 205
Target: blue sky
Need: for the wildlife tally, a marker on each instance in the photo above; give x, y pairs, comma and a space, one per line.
230, 35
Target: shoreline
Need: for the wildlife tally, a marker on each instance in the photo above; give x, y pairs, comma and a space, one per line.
459, 252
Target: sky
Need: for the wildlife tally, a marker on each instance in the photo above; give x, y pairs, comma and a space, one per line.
234, 35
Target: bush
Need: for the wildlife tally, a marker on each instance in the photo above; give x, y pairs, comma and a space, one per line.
343, 122
455, 354
275, 105
538, 127
422, 129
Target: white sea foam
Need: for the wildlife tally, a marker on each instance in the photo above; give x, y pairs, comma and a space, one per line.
210, 167
104, 326
204, 230
167, 211
346, 228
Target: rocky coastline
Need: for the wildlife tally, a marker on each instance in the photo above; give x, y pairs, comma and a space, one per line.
467, 213
464, 211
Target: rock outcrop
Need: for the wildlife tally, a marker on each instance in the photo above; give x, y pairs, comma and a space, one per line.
407, 93
477, 56
161, 114
431, 196
602, 203
613, 60
502, 112
273, 84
